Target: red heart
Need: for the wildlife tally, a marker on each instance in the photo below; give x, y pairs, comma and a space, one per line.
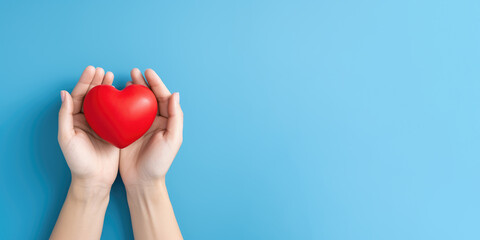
120, 117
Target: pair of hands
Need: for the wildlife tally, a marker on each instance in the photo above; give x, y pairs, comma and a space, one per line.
93, 162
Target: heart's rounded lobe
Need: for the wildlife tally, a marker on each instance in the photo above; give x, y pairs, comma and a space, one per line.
120, 117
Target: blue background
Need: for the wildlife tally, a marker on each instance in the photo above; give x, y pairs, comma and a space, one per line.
303, 119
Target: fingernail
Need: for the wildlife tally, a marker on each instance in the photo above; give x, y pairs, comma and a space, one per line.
62, 95
178, 97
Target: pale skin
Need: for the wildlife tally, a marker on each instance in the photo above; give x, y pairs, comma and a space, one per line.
94, 164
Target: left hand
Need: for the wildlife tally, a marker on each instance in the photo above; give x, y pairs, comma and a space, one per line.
146, 161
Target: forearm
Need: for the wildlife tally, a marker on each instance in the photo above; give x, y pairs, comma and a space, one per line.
152, 213
82, 213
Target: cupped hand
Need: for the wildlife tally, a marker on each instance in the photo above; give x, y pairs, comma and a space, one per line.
92, 160
147, 160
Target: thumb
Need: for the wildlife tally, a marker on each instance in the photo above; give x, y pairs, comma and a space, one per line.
175, 118
65, 117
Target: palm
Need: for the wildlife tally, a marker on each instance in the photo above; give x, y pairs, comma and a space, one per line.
98, 157
149, 156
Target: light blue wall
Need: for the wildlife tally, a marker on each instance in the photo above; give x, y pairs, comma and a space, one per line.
303, 119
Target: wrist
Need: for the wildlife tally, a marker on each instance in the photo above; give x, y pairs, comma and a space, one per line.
138, 184
86, 191
154, 190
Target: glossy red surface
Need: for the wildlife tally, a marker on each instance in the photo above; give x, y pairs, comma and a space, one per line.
120, 117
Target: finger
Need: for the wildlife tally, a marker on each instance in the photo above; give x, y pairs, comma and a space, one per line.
81, 88
128, 83
108, 79
175, 120
137, 77
160, 91
98, 78
65, 118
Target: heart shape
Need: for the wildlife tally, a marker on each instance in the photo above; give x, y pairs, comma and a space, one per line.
120, 117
